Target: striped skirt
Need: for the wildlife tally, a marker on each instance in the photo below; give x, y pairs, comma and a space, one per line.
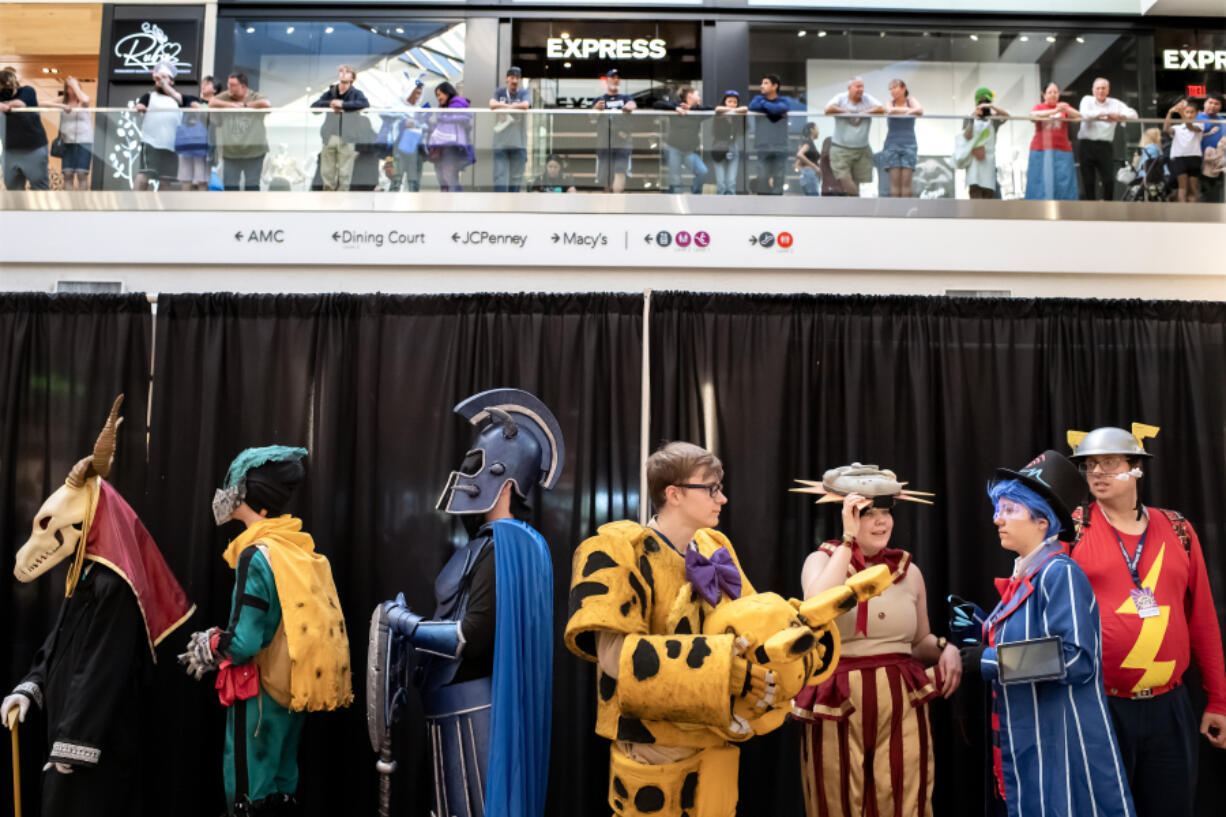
867, 745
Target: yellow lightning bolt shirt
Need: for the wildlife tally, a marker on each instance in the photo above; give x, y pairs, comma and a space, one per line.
1141, 654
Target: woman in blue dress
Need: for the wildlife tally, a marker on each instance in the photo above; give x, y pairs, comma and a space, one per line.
900, 151
1054, 749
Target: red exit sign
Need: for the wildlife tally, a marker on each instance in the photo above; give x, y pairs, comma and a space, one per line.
1197, 91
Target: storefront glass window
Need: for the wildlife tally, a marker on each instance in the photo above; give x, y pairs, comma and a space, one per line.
943, 69
292, 61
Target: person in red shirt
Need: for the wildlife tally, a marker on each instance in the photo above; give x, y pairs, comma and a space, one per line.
1148, 573
1049, 173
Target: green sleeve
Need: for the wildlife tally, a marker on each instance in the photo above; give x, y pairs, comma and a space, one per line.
255, 609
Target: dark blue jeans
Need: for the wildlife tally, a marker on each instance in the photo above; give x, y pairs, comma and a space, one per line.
509, 169
772, 166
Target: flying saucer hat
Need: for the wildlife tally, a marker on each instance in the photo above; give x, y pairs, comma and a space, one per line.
1111, 440
877, 484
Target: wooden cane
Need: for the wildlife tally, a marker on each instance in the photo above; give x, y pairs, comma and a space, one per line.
12, 724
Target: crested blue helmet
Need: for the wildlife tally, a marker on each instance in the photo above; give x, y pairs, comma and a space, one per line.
518, 441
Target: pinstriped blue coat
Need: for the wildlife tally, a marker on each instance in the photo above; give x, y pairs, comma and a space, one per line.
1059, 755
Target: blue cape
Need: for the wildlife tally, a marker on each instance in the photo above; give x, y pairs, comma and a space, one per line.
523, 673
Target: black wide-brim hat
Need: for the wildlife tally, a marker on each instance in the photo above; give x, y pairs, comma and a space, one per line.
1053, 477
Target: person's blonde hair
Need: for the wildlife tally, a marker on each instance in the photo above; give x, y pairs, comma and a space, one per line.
1151, 136
673, 463
348, 69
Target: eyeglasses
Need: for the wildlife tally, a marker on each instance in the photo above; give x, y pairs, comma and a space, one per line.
1008, 509
713, 488
1103, 465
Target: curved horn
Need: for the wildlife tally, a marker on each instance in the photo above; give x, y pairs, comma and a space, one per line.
104, 447
80, 472
509, 428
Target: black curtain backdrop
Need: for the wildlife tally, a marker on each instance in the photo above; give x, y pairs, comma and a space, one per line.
943, 391
367, 383
64, 359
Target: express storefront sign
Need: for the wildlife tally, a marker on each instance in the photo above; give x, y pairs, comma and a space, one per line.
1178, 59
589, 48
664, 51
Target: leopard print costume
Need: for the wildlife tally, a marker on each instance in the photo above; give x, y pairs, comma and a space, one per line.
672, 686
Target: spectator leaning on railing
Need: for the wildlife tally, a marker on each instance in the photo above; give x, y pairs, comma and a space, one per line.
409, 148
510, 146
851, 158
338, 153
1050, 174
614, 139
193, 140
1096, 139
1211, 174
900, 151
683, 138
450, 143
242, 137
158, 127
76, 135
727, 142
25, 139
770, 134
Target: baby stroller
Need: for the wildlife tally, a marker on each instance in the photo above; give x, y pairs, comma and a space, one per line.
1151, 180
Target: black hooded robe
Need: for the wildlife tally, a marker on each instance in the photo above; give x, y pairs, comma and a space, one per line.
92, 674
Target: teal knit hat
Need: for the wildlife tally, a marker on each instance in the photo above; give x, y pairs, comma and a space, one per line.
234, 492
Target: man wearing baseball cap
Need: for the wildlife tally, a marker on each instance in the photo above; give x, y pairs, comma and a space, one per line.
510, 149
613, 137
1148, 573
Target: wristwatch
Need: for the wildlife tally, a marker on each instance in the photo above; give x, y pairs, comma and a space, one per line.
848, 539
942, 641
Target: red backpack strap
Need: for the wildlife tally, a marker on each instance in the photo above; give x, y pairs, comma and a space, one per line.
1180, 524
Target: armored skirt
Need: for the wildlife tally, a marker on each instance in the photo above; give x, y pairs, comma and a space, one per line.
867, 742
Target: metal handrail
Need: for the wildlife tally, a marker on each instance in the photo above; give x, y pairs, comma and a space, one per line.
800, 114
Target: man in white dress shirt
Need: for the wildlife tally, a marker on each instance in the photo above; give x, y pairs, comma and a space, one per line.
1096, 139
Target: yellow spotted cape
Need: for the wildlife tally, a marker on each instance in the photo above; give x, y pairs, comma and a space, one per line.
311, 612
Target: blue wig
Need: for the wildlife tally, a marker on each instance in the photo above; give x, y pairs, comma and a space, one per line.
1038, 506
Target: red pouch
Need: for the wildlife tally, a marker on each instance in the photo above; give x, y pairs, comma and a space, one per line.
237, 682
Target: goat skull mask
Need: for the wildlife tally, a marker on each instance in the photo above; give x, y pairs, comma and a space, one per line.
58, 526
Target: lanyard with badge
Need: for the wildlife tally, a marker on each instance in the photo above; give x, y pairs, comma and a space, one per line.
1142, 597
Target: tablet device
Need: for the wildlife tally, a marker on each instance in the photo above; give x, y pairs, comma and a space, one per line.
1030, 661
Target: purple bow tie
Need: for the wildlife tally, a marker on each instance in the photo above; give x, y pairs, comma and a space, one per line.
711, 577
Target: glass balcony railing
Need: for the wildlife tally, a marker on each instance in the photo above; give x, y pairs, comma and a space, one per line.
585, 151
